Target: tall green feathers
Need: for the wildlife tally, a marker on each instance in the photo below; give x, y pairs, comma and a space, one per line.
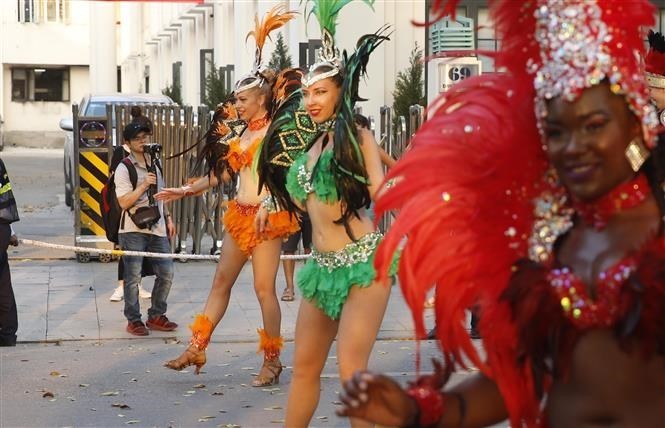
327, 11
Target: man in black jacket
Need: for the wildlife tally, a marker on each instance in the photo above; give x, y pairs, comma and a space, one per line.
8, 215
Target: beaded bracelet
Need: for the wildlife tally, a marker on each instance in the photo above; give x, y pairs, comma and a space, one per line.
431, 404
269, 204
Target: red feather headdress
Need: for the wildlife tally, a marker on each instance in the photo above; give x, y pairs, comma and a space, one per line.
655, 60
465, 191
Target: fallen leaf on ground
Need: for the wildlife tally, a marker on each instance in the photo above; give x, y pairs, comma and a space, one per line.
133, 379
247, 368
48, 394
191, 392
120, 405
206, 418
217, 393
321, 418
247, 406
84, 385
199, 386
277, 421
109, 393
270, 389
54, 373
133, 421
337, 403
273, 408
71, 398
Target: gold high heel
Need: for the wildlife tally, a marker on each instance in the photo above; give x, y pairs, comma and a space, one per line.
272, 366
191, 357
273, 369
195, 354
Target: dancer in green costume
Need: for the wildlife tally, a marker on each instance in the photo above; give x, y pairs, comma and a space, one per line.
318, 161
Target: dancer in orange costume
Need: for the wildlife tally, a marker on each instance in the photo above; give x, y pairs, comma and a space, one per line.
231, 145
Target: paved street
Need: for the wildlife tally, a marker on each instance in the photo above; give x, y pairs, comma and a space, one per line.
76, 366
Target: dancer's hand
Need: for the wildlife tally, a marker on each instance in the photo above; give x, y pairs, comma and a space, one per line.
261, 221
378, 399
169, 194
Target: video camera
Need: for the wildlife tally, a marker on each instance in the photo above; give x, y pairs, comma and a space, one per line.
152, 149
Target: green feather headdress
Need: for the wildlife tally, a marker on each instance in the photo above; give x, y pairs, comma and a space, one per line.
326, 13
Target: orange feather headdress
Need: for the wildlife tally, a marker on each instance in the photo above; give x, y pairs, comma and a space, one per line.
275, 18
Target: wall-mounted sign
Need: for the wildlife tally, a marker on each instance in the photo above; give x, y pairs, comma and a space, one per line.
451, 73
445, 72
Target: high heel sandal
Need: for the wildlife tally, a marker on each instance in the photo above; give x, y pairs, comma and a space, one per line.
273, 368
195, 354
191, 357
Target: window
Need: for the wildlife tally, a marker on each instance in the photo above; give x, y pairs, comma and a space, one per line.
205, 68
487, 40
40, 84
26, 10
43, 10
309, 52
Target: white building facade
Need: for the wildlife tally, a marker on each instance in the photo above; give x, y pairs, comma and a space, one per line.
44, 67
163, 43
53, 52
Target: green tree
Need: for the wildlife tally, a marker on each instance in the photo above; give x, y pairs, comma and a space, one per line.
409, 86
280, 58
215, 88
174, 92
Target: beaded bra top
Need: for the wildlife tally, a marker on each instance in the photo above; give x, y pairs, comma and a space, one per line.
606, 306
301, 181
237, 157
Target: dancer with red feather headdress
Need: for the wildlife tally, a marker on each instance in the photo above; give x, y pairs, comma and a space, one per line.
547, 183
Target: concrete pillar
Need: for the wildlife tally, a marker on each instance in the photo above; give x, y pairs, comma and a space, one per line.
226, 44
218, 41
103, 74
244, 22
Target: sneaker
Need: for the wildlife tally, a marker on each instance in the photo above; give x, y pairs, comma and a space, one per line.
161, 323
117, 294
137, 328
143, 293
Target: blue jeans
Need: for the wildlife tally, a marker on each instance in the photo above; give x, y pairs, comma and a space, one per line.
163, 269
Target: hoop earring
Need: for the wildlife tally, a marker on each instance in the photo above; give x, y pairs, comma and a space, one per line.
636, 154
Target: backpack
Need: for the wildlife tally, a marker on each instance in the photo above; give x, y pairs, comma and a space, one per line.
111, 211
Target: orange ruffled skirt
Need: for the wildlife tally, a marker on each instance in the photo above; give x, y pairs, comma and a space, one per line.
239, 224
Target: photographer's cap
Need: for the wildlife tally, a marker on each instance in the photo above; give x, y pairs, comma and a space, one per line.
132, 129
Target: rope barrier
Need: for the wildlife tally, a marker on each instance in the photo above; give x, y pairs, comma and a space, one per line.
119, 253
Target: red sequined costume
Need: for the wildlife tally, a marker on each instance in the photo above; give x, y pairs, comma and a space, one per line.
477, 174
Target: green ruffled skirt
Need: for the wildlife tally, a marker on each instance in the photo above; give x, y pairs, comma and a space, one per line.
326, 279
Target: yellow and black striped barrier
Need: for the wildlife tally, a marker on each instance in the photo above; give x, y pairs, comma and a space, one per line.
93, 173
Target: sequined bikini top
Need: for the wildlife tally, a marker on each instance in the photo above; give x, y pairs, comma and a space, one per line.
239, 158
300, 181
555, 219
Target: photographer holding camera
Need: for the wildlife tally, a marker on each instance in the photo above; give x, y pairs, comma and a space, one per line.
145, 225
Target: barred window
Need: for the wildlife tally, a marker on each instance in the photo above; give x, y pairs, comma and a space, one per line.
40, 84
43, 11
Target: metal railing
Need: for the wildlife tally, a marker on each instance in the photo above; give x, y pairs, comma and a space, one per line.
198, 219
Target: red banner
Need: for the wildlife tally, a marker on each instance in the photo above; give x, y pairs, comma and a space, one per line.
157, 1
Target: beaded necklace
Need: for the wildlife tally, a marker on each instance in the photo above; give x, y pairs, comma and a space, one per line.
625, 196
255, 125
